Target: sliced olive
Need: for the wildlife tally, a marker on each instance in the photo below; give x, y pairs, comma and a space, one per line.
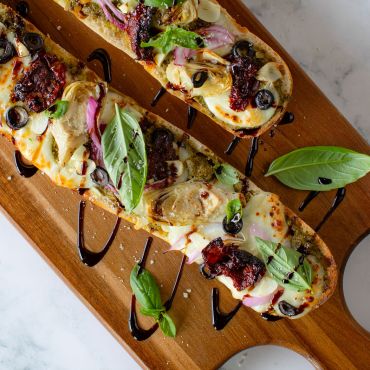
199, 78
7, 51
204, 271
33, 41
243, 49
234, 226
287, 309
16, 117
264, 99
100, 176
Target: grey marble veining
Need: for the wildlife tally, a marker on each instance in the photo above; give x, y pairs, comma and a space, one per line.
45, 327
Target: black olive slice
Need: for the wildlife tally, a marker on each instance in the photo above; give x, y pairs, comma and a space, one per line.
264, 99
234, 226
199, 78
7, 51
243, 49
205, 273
287, 309
33, 42
100, 176
16, 117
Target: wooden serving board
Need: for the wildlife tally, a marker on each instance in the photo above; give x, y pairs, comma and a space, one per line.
47, 216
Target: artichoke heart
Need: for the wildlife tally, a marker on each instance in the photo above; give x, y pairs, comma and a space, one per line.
189, 203
70, 130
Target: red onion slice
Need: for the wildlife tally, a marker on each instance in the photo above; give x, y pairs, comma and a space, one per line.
216, 36
110, 16
250, 301
91, 121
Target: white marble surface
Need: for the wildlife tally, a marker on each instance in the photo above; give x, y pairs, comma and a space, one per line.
44, 326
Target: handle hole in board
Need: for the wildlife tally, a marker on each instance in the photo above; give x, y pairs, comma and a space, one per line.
268, 357
355, 281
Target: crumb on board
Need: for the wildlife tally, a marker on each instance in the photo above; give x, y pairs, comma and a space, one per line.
185, 295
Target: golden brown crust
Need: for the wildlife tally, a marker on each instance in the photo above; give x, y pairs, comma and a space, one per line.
120, 39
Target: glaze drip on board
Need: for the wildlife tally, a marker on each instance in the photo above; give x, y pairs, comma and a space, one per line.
88, 257
136, 331
103, 57
219, 319
25, 170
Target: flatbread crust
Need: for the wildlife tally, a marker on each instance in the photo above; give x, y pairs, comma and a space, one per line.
121, 40
107, 201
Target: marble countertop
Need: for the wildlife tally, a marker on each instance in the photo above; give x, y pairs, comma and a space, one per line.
44, 326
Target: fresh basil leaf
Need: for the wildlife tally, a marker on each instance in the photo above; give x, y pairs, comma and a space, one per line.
125, 158
234, 208
282, 262
171, 37
302, 168
159, 3
146, 289
58, 109
153, 312
226, 174
167, 326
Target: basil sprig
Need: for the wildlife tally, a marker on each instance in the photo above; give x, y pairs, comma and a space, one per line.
171, 37
162, 4
125, 157
234, 209
285, 266
302, 168
148, 295
226, 174
58, 109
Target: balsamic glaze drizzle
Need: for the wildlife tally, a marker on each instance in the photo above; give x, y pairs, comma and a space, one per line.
288, 118
169, 302
324, 181
232, 146
266, 316
192, 115
88, 257
339, 197
103, 57
310, 197
252, 153
158, 96
22, 8
219, 319
25, 170
137, 332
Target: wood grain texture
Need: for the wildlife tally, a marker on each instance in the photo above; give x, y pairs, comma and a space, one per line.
47, 216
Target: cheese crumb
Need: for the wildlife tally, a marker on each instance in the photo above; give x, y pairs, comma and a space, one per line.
188, 290
186, 295
59, 28
10, 178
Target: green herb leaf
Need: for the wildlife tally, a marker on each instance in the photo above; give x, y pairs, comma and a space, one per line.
146, 290
163, 4
171, 37
302, 168
153, 312
167, 326
234, 208
125, 157
58, 109
282, 262
226, 174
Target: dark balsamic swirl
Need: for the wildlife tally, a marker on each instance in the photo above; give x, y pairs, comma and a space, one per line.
219, 319
25, 170
88, 257
103, 57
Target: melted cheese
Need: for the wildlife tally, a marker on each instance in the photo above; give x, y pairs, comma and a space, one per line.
219, 105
